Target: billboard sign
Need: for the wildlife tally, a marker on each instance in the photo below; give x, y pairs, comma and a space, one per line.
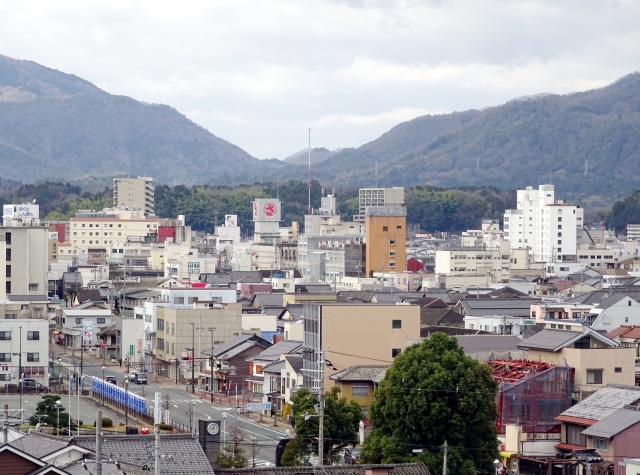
266, 210
87, 327
21, 211
259, 406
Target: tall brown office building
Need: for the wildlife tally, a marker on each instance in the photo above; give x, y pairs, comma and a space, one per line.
386, 233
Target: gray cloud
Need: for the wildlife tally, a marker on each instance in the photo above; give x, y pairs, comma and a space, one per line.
258, 73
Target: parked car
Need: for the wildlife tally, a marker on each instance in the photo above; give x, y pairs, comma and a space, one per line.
33, 384
352, 455
111, 380
130, 376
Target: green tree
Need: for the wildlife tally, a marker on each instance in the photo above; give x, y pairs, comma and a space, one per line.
47, 412
431, 393
341, 420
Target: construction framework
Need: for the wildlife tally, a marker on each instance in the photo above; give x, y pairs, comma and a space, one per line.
531, 394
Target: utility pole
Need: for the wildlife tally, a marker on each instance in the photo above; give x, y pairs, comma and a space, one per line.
99, 443
321, 411
5, 426
193, 351
21, 378
444, 462
156, 432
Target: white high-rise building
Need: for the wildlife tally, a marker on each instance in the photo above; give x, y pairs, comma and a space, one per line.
377, 197
543, 225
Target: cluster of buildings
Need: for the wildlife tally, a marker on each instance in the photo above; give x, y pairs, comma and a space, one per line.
553, 306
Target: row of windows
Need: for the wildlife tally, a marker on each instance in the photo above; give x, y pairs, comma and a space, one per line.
31, 357
386, 228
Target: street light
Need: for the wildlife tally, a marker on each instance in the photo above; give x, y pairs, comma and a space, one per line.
58, 404
224, 436
193, 354
211, 329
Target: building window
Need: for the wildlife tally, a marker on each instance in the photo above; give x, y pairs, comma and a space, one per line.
559, 219
7, 287
392, 264
396, 324
359, 390
594, 376
33, 335
5, 357
395, 352
618, 369
7, 255
100, 320
8, 271
392, 253
398, 227
33, 356
601, 444
628, 303
7, 238
385, 228
10, 316
33, 287
392, 242
78, 321
178, 300
5, 335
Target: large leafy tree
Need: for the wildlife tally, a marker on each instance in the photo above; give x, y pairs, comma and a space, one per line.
341, 420
433, 393
47, 412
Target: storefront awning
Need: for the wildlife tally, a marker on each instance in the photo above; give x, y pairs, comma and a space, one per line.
506, 454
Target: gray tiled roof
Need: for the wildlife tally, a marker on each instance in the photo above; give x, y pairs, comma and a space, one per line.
314, 289
273, 353
27, 298
296, 312
604, 402
273, 367
295, 361
549, 339
482, 343
39, 445
396, 469
236, 341
187, 456
614, 423
554, 340
270, 300
361, 373
513, 307
615, 298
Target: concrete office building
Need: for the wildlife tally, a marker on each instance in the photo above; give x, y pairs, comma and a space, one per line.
368, 197
35, 350
386, 239
352, 334
24, 252
134, 193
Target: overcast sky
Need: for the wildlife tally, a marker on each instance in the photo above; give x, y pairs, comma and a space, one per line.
256, 73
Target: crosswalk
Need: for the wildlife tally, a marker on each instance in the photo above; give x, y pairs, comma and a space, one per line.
259, 463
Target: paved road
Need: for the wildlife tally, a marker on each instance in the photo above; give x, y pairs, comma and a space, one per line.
180, 400
82, 406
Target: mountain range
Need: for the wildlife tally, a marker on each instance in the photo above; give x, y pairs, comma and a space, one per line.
55, 125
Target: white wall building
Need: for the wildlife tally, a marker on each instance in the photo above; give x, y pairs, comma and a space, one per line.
368, 197
228, 234
130, 335
189, 295
23, 252
543, 225
184, 262
81, 326
35, 350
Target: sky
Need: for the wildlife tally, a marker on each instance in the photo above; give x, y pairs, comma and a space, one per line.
258, 73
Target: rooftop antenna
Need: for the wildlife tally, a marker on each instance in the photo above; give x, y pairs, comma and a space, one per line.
309, 129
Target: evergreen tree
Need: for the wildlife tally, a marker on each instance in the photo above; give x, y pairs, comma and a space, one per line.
47, 412
433, 393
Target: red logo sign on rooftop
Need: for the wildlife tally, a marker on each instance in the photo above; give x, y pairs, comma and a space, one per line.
269, 209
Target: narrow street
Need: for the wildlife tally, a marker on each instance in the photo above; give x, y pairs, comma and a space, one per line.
262, 435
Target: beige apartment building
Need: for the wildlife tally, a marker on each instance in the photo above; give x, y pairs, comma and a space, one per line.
134, 193
189, 326
386, 239
356, 334
594, 359
23, 261
98, 232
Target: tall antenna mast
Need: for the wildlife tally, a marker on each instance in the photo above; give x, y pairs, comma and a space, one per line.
309, 129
